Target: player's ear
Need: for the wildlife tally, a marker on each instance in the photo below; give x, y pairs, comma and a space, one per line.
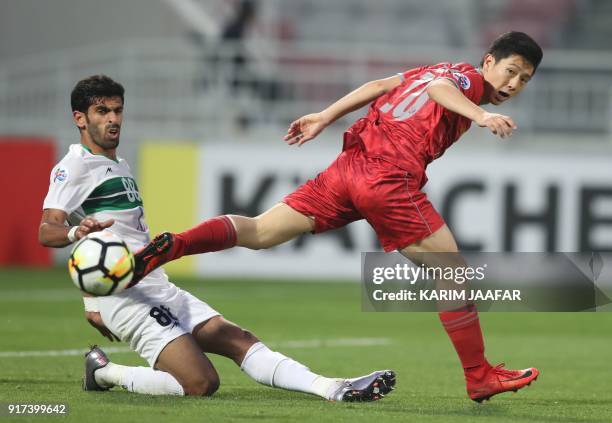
488, 62
79, 119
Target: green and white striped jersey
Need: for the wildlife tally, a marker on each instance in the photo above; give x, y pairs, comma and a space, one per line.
85, 184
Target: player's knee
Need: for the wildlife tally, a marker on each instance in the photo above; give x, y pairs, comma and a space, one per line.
264, 234
212, 386
252, 233
202, 386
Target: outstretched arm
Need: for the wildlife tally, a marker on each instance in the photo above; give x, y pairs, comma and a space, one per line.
307, 127
447, 95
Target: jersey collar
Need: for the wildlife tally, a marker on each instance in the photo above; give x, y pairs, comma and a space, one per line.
94, 154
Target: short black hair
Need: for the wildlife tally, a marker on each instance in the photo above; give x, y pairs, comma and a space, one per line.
90, 90
515, 42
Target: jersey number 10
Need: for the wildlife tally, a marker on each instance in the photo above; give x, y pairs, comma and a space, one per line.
412, 102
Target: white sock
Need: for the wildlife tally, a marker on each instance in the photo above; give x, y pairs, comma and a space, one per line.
110, 375
326, 387
142, 380
274, 369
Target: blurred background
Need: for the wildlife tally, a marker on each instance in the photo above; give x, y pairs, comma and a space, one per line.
211, 86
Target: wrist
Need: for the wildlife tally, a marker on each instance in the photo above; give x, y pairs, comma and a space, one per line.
479, 115
326, 117
91, 304
72, 236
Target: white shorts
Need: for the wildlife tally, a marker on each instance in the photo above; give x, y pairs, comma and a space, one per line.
151, 314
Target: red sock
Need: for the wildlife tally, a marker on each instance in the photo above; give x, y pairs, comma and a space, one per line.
463, 328
211, 235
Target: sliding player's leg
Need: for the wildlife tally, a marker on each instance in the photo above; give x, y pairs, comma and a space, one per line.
277, 225
181, 369
274, 369
183, 359
462, 323
156, 318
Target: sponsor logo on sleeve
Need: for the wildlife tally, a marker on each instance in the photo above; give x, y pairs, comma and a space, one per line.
60, 175
464, 81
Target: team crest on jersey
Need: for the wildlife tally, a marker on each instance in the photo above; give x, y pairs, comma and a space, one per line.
464, 81
60, 175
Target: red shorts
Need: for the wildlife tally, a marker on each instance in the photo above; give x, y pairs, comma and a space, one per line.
358, 187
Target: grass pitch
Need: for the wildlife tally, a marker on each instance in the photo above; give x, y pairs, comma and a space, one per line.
319, 324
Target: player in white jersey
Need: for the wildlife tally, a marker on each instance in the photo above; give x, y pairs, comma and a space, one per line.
92, 189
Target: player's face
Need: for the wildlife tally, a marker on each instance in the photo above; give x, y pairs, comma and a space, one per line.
505, 78
103, 122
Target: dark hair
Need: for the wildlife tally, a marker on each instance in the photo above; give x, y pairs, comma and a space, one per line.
90, 90
515, 42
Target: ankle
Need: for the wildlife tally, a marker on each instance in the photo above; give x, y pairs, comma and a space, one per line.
180, 246
326, 387
215, 234
477, 372
110, 375
101, 376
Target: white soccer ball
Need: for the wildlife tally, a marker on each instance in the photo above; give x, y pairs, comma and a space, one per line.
101, 264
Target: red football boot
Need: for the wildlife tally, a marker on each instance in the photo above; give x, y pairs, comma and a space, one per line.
161, 250
498, 380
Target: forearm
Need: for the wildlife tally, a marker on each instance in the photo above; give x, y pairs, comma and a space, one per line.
354, 100
452, 99
51, 234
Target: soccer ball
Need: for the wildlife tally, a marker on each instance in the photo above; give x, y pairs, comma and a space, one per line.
101, 264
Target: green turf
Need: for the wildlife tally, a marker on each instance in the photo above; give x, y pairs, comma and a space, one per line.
42, 311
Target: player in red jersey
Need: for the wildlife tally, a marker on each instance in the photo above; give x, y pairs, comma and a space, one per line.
414, 118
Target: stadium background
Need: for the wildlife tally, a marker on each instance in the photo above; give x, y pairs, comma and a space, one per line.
210, 89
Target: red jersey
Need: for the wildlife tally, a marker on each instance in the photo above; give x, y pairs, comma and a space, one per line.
405, 127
